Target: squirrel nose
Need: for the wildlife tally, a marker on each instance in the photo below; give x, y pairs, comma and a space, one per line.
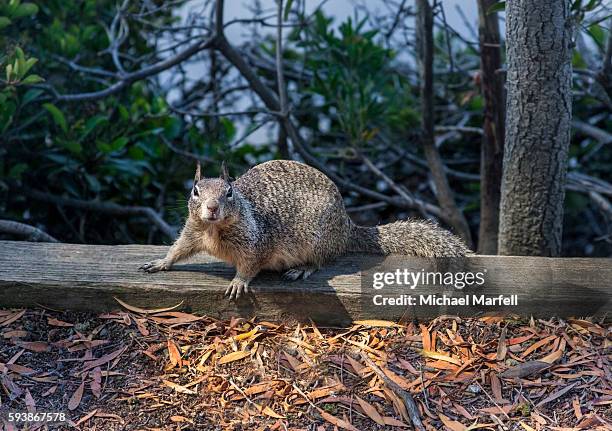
212, 208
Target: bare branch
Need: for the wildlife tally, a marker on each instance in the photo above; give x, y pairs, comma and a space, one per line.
367, 207
462, 129
492, 146
138, 75
423, 207
602, 203
30, 232
425, 60
592, 131
580, 182
105, 207
221, 114
280, 76
185, 153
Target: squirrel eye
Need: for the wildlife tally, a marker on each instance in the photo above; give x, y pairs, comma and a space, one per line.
229, 193
195, 191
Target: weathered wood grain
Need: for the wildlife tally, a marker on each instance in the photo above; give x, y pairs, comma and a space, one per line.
86, 277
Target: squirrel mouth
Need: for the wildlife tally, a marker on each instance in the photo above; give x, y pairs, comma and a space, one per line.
211, 219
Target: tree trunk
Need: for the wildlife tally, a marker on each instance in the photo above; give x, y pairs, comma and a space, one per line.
539, 83
492, 147
444, 194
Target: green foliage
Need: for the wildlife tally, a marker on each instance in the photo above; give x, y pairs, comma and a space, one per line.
497, 7
352, 76
109, 149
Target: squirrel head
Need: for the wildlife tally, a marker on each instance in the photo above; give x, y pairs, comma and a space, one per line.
213, 200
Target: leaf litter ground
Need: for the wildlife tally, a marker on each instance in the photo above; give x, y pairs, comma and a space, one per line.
170, 370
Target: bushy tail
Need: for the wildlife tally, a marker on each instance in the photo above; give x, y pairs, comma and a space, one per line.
411, 238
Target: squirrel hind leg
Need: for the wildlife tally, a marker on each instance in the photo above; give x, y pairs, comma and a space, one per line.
298, 272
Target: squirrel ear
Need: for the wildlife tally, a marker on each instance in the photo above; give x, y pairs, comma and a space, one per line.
224, 172
198, 176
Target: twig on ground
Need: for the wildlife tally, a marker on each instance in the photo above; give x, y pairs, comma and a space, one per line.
409, 402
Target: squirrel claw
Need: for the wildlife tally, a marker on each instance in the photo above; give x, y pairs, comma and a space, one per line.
154, 266
297, 273
236, 287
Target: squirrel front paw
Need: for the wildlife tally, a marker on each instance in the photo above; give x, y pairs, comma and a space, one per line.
236, 287
155, 266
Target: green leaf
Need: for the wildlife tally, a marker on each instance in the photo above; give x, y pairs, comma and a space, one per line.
92, 124
94, 184
123, 113
228, 127
72, 146
598, 34
9, 71
497, 7
58, 116
16, 68
25, 9
30, 95
17, 170
136, 153
287, 10
20, 63
28, 65
104, 147
4, 22
119, 143
32, 79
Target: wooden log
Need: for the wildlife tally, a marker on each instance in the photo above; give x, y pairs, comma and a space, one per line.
87, 277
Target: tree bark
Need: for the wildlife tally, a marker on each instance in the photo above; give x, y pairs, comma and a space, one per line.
492, 147
443, 191
539, 50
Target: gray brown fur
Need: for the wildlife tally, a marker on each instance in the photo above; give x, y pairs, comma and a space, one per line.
285, 215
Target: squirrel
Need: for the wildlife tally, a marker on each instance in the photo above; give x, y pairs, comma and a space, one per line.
284, 215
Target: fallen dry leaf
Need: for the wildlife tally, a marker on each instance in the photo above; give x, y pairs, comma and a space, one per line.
86, 417
103, 360
525, 369
557, 394
56, 322
29, 402
336, 421
377, 323
75, 399
34, 346
180, 419
371, 411
451, 424
269, 412
145, 311
179, 388
234, 356
552, 357
12, 318
174, 354
440, 356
